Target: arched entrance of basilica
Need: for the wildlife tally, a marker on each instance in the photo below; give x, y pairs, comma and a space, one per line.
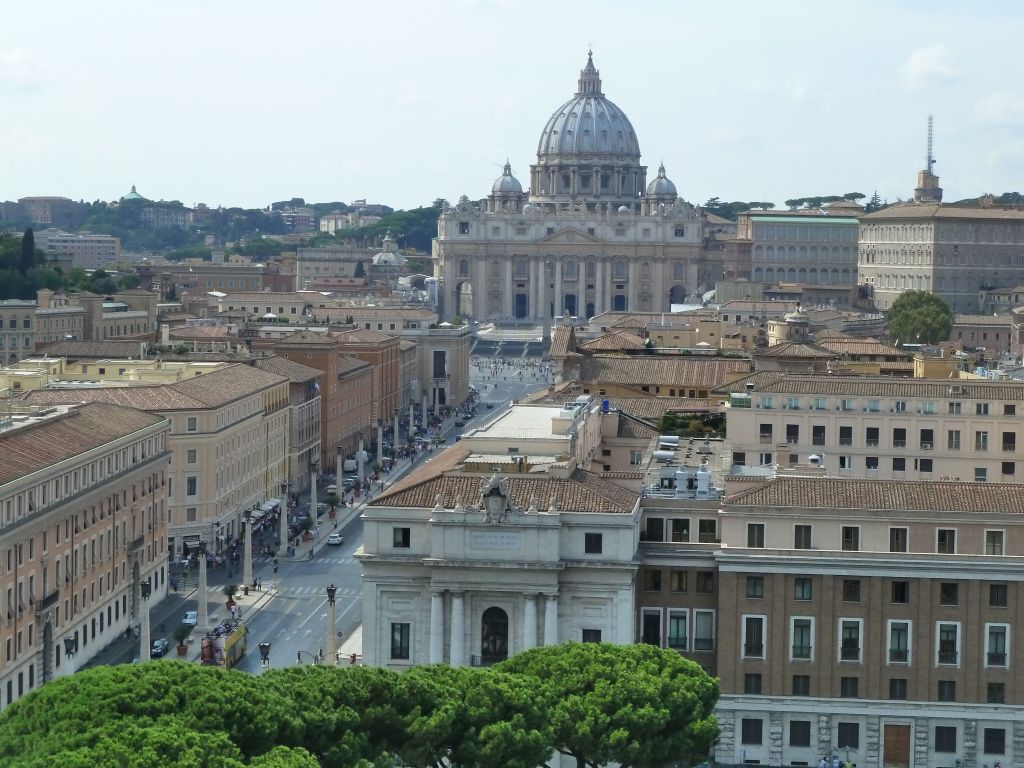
464, 299
677, 295
522, 306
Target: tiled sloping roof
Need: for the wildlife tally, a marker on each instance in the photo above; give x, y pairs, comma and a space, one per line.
894, 495
887, 386
563, 341
114, 350
282, 366
795, 349
581, 492
362, 336
207, 391
828, 334
934, 210
227, 384
861, 347
631, 427
982, 320
199, 332
308, 338
31, 449
614, 340
650, 370
758, 379
405, 344
623, 475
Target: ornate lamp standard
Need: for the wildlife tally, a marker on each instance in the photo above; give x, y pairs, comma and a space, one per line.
265, 654
202, 607
330, 634
70, 647
144, 646
282, 532
247, 551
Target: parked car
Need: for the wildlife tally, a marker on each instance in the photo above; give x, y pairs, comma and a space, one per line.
490, 406
191, 618
160, 647
348, 483
335, 539
460, 423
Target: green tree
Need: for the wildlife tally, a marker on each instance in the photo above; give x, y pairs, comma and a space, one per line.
28, 251
636, 705
874, 203
854, 197
919, 317
127, 280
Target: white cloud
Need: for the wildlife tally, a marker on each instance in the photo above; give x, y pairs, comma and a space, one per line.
21, 73
927, 66
1001, 108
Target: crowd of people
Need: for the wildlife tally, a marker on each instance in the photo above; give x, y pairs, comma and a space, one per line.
512, 369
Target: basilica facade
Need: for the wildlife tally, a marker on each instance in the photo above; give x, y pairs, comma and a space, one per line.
589, 235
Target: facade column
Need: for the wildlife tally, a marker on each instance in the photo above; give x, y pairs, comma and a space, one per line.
542, 284
559, 296
598, 286
458, 641
380, 439
394, 439
609, 273
633, 274
532, 271
412, 417
437, 627
508, 292
530, 623
551, 620
481, 289
202, 595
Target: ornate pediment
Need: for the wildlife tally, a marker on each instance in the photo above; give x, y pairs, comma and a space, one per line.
570, 236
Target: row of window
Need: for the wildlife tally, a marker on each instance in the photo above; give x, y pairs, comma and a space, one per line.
872, 437
945, 737
848, 464
899, 645
848, 404
992, 542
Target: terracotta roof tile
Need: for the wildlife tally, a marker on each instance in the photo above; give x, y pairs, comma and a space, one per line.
663, 371
795, 349
563, 341
114, 350
614, 340
282, 366
36, 447
888, 495
581, 492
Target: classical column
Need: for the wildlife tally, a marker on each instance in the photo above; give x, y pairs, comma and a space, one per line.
480, 289
394, 438
380, 439
412, 419
598, 286
542, 300
437, 627
559, 297
458, 641
360, 467
202, 595
609, 278
531, 270
551, 620
247, 548
509, 290
330, 632
530, 623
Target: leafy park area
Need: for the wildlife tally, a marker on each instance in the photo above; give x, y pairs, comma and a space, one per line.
597, 703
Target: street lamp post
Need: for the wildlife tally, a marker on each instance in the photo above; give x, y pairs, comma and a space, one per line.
282, 531
312, 490
330, 634
247, 550
316, 657
202, 607
144, 646
360, 460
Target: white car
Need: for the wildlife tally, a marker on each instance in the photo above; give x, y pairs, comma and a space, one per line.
191, 618
335, 539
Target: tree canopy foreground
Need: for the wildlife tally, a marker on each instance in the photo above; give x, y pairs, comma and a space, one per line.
634, 705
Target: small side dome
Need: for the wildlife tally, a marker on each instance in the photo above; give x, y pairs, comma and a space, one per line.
507, 184
624, 209
661, 186
528, 208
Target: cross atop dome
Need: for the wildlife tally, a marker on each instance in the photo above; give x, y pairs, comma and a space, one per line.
590, 78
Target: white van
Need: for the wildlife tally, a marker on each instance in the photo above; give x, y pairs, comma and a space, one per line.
332, 489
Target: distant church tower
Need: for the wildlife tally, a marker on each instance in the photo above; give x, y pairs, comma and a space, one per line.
928, 189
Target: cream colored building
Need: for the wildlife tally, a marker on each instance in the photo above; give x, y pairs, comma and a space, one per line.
589, 235
878, 427
84, 523
229, 440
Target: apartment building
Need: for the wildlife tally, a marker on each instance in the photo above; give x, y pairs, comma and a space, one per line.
303, 420
381, 351
870, 620
83, 494
84, 249
877, 427
127, 313
228, 440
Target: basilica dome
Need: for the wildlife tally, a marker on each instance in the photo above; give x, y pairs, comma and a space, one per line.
588, 124
507, 184
662, 186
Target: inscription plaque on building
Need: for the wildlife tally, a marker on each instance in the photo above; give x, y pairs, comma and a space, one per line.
495, 540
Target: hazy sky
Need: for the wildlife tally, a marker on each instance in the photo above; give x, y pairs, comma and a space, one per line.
243, 102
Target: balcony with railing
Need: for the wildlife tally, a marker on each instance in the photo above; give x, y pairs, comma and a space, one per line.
1010, 447
755, 650
849, 652
996, 659
703, 643
947, 656
898, 655
801, 652
899, 443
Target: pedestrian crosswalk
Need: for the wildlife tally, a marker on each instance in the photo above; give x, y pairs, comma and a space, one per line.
313, 592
